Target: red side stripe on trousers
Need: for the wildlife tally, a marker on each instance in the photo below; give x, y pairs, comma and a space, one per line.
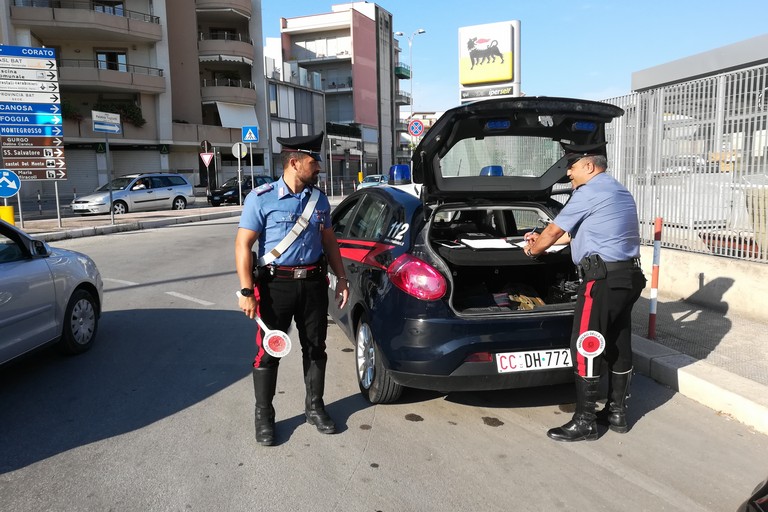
581, 361
259, 337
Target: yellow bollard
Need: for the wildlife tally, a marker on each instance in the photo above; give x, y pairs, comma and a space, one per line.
6, 214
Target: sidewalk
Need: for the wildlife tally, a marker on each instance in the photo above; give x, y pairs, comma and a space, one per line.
713, 357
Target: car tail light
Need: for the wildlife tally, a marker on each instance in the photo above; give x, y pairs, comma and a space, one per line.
479, 357
417, 278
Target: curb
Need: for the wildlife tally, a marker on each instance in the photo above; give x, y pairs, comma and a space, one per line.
742, 399
132, 226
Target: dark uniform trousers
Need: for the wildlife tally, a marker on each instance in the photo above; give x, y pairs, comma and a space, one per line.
303, 300
605, 305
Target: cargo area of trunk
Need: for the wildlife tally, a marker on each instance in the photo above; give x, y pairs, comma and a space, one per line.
490, 273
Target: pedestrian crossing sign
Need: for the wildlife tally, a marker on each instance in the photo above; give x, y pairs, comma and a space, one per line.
250, 134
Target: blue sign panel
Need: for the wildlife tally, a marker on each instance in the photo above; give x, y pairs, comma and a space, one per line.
9, 183
35, 131
250, 133
106, 127
29, 119
29, 108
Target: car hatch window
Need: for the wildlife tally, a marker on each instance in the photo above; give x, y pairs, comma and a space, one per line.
176, 181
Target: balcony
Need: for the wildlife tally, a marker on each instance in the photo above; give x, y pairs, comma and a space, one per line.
84, 20
334, 87
221, 10
92, 75
228, 90
401, 126
402, 71
225, 47
402, 98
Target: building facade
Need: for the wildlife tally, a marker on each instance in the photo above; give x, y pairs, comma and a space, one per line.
352, 48
178, 72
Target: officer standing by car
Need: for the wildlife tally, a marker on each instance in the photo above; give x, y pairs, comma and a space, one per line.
600, 221
290, 219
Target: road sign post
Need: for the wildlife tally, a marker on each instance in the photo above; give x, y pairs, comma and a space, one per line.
10, 184
107, 123
239, 151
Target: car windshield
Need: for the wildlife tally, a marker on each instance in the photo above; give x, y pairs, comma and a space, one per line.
501, 156
117, 184
231, 182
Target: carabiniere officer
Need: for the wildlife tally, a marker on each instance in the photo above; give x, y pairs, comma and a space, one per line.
288, 281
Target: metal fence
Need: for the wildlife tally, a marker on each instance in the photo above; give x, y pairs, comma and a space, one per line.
696, 155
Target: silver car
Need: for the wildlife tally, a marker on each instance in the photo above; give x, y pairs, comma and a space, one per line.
136, 192
47, 295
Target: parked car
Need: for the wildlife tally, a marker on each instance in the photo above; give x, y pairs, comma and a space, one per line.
373, 180
227, 193
441, 295
47, 295
136, 192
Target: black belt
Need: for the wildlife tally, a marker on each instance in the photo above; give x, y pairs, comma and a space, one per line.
622, 265
303, 272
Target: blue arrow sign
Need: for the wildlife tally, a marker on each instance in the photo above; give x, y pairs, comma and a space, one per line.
106, 127
27, 51
29, 119
29, 108
45, 131
250, 133
10, 184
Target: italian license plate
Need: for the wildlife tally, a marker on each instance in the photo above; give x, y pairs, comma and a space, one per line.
531, 360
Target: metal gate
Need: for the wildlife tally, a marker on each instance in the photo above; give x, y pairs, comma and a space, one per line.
127, 162
696, 154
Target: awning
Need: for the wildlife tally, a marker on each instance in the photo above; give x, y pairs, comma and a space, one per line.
236, 116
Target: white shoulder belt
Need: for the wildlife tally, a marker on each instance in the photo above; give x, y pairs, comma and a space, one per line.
296, 230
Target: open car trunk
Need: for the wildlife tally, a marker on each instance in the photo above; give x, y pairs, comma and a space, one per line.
490, 273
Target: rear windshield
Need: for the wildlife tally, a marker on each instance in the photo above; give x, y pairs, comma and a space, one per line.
505, 155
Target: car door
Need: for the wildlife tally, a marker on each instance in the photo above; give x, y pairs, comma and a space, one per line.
27, 300
140, 198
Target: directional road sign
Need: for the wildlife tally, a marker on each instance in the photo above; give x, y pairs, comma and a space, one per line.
106, 122
30, 114
250, 133
10, 184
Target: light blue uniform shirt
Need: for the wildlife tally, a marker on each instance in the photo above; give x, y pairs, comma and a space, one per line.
601, 218
272, 210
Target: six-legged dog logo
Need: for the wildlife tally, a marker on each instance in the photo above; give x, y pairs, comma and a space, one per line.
483, 50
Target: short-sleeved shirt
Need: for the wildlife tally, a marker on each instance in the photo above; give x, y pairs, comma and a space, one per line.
601, 218
272, 210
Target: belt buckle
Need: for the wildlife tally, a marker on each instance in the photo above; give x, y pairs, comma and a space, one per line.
299, 273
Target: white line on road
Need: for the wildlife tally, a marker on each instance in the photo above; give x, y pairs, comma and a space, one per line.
192, 299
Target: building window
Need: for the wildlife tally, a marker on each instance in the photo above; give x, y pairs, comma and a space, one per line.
116, 60
273, 99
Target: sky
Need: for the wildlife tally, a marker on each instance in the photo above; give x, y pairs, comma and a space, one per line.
580, 49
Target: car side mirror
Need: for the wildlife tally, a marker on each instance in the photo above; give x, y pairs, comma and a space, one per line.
39, 248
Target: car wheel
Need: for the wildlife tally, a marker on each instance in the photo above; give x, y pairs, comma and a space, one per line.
215, 203
374, 380
179, 203
80, 323
119, 207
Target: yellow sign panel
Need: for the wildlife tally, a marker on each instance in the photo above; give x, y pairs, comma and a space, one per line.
486, 54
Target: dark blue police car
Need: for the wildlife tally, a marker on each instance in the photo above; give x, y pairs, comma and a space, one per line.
442, 297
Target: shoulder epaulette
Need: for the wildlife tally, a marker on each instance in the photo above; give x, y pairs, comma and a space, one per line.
264, 188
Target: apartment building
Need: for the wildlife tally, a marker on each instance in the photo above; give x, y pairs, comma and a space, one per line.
353, 49
179, 72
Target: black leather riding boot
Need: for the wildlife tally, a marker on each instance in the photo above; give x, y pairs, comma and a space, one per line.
314, 408
264, 384
615, 412
582, 426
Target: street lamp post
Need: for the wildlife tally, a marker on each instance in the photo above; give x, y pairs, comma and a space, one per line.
410, 64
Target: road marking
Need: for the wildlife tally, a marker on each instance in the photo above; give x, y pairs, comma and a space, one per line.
191, 299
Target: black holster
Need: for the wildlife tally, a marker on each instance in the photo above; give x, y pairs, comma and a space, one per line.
592, 268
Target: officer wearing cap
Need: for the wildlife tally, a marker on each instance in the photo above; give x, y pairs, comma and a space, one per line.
600, 222
286, 279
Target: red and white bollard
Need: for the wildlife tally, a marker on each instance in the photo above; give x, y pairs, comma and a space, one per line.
655, 278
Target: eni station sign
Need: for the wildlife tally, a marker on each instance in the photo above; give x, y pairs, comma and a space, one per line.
31, 134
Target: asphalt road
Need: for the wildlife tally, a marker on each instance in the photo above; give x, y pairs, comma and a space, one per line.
158, 416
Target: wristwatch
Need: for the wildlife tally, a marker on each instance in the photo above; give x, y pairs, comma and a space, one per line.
246, 292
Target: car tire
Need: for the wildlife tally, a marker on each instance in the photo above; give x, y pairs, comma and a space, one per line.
374, 380
119, 207
81, 321
215, 203
179, 203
